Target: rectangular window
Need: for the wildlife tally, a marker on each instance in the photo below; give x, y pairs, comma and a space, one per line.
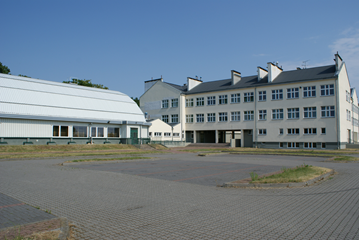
100, 132
93, 131
293, 131
235, 116
174, 102
165, 103
309, 92
64, 131
176, 134
248, 115
222, 99
150, 134
174, 118
292, 93
277, 114
211, 100
248, 97
262, 131
281, 145
293, 145
347, 96
236, 98
165, 118
293, 113
348, 115
211, 117
277, 94
79, 131
324, 145
310, 112
324, 131
158, 134
311, 131
262, 96
327, 90
223, 117
327, 111
189, 118
55, 131
280, 131
113, 132
167, 134
262, 114
200, 117
310, 145
200, 101
189, 102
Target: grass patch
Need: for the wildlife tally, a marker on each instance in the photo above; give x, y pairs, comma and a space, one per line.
300, 173
345, 158
107, 159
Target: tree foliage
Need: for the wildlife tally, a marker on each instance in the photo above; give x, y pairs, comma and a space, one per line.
24, 76
86, 83
4, 69
136, 100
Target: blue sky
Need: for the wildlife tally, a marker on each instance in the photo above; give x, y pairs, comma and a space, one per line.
120, 44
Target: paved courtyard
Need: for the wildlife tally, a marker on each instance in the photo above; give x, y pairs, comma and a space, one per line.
119, 203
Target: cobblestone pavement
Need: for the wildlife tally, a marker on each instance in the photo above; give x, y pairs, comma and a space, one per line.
113, 205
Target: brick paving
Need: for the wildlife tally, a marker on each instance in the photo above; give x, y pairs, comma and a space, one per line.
115, 205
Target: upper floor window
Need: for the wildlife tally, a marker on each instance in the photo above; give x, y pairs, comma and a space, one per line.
348, 115
277, 114
309, 91
236, 98
262, 114
235, 116
292, 93
310, 112
310, 131
165, 103
262, 96
211, 100
165, 118
200, 117
328, 111
174, 118
211, 117
200, 101
293, 113
293, 131
174, 102
222, 99
262, 131
189, 102
248, 97
223, 117
189, 118
248, 115
327, 90
277, 94
347, 96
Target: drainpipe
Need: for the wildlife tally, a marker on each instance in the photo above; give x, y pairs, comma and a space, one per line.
255, 117
337, 110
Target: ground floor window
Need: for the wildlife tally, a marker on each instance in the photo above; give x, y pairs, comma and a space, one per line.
281, 145
176, 134
97, 132
113, 132
79, 131
158, 134
310, 145
324, 145
60, 131
262, 131
167, 134
292, 145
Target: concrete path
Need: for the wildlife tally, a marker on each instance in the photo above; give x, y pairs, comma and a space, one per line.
115, 205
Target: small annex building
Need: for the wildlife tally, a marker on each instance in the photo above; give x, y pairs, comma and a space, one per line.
36, 111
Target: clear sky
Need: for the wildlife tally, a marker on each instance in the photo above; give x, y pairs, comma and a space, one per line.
120, 44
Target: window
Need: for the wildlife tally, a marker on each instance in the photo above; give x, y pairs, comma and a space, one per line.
348, 115
79, 131
200, 102
324, 131
211, 100
309, 92
167, 134
222, 99
293, 131
176, 134
293, 145
281, 145
189, 118
277, 94
235, 116
100, 132
310, 131
113, 132
211, 117
262, 131
293, 113
165, 118
328, 111
262, 96
324, 145
248, 115
310, 145
280, 131
249, 97
327, 90
189, 102
236, 98
347, 96
223, 117
55, 131
150, 134
165, 103
64, 131
262, 114
310, 112
277, 114
174, 118
158, 134
174, 102
292, 93
200, 117
93, 132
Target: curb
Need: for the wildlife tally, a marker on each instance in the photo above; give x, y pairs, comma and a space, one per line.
109, 161
65, 233
279, 185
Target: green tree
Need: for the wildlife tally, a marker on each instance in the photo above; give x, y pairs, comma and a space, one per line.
4, 69
24, 76
86, 83
136, 100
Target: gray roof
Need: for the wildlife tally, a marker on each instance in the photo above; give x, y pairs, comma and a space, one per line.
324, 72
181, 88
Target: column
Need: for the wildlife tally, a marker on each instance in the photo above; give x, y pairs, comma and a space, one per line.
216, 135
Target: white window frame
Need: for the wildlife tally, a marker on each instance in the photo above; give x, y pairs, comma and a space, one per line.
293, 113
327, 90
174, 118
222, 99
311, 112
211, 117
167, 134
310, 131
236, 98
292, 145
262, 96
262, 131
222, 117
277, 114
309, 91
327, 111
248, 115
165, 103
200, 118
323, 132
277, 94
248, 97
200, 102
281, 131
211, 100
262, 115
174, 102
293, 131
325, 145
165, 118
158, 134
189, 102
189, 118
293, 93
310, 145
235, 116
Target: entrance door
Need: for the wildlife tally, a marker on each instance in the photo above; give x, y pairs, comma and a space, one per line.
134, 135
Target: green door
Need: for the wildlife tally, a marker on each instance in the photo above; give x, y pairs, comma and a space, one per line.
134, 135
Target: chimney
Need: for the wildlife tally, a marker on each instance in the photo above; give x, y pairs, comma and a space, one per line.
236, 77
150, 83
192, 82
273, 71
262, 73
338, 61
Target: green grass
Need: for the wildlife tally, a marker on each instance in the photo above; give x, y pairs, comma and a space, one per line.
107, 159
345, 158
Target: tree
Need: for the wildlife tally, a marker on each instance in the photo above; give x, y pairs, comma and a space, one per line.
24, 76
136, 100
86, 83
4, 69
